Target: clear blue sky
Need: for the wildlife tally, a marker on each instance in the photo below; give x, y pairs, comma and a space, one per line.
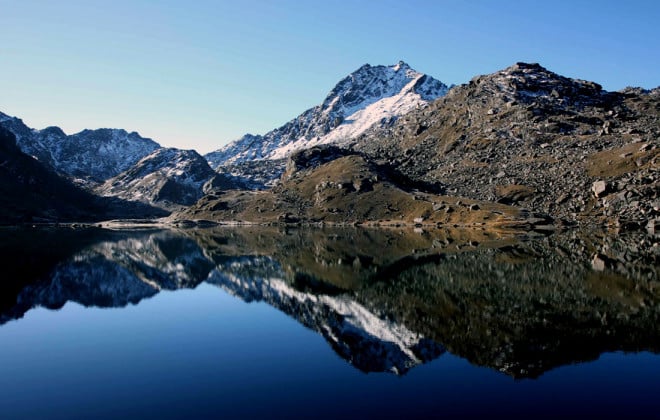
198, 74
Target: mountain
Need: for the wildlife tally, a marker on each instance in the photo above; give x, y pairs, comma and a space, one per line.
30, 192
523, 145
167, 177
370, 95
117, 164
91, 155
530, 137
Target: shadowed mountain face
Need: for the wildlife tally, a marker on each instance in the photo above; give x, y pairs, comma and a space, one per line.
30, 192
384, 300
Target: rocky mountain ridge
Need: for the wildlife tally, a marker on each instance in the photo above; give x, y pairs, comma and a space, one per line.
90, 155
30, 192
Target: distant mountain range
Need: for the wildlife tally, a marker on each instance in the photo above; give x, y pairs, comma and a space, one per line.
91, 155
522, 137
115, 163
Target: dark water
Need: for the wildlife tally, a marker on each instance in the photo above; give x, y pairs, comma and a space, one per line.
251, 322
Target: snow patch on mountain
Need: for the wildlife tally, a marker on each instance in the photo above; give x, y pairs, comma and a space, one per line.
381, 111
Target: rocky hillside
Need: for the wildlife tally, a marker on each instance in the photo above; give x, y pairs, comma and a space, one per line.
91, 155
529, 137
333, 185
253, 174
369, 96
168, 178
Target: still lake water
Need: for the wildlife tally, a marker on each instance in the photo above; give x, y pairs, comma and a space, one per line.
261, 322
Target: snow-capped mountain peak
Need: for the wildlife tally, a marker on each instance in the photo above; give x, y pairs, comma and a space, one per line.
368, 96
367, 85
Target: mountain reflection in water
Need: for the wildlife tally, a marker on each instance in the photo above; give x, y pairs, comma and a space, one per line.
384, 300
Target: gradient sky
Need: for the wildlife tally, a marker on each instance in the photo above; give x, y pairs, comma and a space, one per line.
198, 74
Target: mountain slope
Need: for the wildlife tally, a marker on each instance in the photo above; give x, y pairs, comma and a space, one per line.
332, 185
525, 135
91, 155
167, 177
368, 96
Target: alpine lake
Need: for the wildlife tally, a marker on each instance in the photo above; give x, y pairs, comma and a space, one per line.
281, 322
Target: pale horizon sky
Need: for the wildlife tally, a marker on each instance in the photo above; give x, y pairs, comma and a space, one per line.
196, 75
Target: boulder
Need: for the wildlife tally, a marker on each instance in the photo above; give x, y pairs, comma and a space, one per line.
599, 188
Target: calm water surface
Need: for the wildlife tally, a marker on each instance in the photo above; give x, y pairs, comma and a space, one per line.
256, 322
